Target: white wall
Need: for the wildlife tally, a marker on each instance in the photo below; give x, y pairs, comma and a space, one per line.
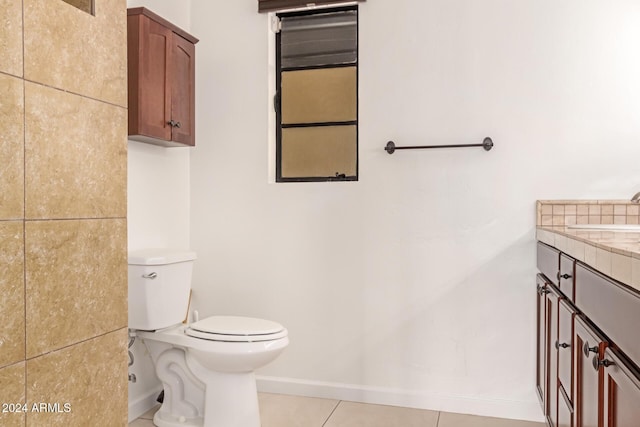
413, 286
158, 209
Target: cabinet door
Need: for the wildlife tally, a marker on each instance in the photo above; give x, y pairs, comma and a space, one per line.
565, 347
587, 381
553, 299
541, 332
183, 91
621, 393
154, 96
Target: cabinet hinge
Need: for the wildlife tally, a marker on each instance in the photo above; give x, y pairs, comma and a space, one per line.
276, 24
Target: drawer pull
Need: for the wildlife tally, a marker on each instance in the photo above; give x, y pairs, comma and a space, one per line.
588, 349
604, 362
563, 345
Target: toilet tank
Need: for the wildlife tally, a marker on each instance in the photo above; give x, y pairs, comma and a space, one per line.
159, 286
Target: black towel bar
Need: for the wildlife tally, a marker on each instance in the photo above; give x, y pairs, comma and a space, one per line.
487, 144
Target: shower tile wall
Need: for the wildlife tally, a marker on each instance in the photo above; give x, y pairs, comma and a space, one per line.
63, 271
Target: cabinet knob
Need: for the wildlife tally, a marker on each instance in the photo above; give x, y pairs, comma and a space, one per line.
174, 124
588, 349
565, 276
597, 363
563, 345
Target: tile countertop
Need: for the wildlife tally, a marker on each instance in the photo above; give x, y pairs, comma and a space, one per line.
616, 254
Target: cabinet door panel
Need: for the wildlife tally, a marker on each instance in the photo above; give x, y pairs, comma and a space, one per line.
541, 328
183, 91
621, 393
587, 384
553, 299
155, 99
565, 348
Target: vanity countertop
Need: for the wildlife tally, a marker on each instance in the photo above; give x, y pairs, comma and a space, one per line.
616, 254
620, 242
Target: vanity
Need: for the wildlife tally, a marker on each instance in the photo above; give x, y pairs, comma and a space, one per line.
588, 313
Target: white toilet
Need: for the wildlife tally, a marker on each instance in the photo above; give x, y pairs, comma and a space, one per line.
206, 367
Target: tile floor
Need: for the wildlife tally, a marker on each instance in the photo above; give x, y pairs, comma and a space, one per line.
278, 410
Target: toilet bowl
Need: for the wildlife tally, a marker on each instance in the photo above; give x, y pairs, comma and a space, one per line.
206, 367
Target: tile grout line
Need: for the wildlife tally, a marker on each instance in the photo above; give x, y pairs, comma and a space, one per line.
331, 414
82, 341
24, 212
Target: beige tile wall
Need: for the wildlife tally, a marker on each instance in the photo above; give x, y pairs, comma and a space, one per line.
570, 212
63, 271
11, 146
11, 37
67, 48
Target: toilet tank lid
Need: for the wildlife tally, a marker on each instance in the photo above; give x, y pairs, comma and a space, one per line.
160, 256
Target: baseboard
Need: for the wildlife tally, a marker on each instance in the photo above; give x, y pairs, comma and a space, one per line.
143, 404
500, 408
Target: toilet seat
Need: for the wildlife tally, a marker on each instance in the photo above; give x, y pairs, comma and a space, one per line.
235, 329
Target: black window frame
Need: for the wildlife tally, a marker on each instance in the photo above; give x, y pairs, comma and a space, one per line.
277, 98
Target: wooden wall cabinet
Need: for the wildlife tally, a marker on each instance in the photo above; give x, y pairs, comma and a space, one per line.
161, 62
588, 347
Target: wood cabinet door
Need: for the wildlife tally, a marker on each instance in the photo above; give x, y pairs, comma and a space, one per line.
183, 91
565, 347
541, 333
621, 392
154, 95
553, 299
587, 381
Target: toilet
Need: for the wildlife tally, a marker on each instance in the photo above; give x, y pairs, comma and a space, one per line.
206, 367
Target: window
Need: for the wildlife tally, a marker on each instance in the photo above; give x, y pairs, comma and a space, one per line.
317, 95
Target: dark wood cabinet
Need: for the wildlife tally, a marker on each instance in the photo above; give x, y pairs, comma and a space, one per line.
588, 348
541, 347
587, 385
547, 369
161, 73
551, 410
621, 392
565, 347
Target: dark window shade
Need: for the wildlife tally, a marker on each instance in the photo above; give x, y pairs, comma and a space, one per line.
274, 5
319, 39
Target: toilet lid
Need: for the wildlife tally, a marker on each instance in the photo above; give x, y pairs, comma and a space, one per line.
235, 328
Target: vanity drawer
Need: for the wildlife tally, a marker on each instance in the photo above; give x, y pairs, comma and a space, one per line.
549, 262
566, 276
611, 306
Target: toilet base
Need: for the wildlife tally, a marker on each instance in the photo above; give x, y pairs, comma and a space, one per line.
231, 398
